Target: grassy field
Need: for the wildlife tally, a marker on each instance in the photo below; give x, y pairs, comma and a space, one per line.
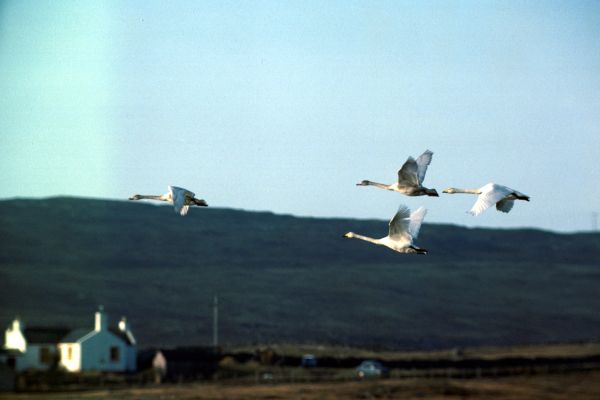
580, 381
580, 386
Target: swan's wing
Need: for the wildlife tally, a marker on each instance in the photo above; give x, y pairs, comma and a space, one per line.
490, 195
422, 163
407, 175
505, 205
399, 224
416, 219
174, 189
180, 199
184, 210
179, 202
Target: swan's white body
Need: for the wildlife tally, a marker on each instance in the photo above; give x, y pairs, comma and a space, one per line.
403, 229
410, 177
181, 199
491, 194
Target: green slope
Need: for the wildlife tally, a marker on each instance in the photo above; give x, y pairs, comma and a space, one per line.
281, 278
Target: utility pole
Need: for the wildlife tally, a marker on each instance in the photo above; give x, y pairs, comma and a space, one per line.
216, 322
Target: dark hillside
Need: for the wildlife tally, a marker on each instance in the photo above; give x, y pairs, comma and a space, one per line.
282, 278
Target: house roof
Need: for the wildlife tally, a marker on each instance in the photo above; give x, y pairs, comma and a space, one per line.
125, 336
75, 335
78, 334
44, 334
9, 352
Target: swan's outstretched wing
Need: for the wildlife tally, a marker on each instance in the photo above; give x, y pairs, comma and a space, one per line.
179, 196
399, 224
174, 189
422, 163
407, 175
416, 219
505, 205
490, 195
184, 211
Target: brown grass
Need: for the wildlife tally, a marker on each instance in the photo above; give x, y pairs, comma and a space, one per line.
581, 385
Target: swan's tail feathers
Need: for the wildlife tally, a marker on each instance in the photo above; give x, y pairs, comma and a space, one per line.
200, 202
419, 250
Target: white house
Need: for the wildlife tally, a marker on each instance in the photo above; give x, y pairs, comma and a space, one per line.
33, 347
99, 349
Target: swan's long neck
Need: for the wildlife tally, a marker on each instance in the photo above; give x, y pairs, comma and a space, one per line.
162, 197
365, 238
471, 191
376, 184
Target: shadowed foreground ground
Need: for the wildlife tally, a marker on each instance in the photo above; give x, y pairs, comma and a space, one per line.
582, 385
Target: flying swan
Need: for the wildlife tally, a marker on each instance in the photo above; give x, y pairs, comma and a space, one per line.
410, 178
404, 228
489, 195
181, 199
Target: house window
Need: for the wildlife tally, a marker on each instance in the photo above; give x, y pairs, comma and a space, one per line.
114, 354
45, 356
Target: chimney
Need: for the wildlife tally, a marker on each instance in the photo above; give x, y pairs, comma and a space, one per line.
17, 325
101, 321
123, 325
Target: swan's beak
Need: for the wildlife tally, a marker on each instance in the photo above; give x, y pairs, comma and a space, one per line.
362, 183
347, 235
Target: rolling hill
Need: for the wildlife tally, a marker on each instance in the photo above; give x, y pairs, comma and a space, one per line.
281, 278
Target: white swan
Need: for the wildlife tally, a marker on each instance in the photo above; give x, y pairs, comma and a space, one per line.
404, 228
179, 197
410, 178
503, 197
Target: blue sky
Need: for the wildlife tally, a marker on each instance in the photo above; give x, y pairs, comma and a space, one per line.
284, 106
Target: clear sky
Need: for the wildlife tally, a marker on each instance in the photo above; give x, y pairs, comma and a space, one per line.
285, 105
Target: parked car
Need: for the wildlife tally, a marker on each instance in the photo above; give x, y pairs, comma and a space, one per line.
267, 376
372, 369
309, 361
